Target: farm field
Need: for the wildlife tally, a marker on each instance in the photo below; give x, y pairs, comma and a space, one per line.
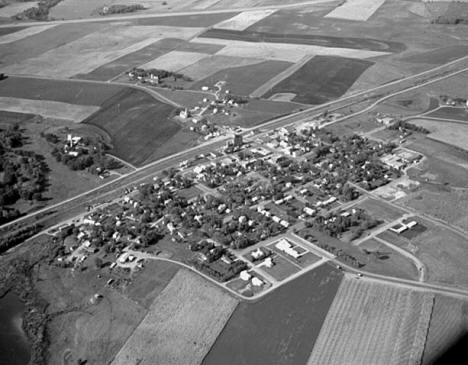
79, 93
140, 127
174, 60
381, 210
15, 8
439, 55
446, 132
193, 20
281, 51
281, 327
250, 35
360, 10
243, 20
244, 80
181, 324
47, 40
96, 49
450, 206
450, 113
20, 33
127, 62
216, 63
448, 325
321, 79
373, 323
47, 109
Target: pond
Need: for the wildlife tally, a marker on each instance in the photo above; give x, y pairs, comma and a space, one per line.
14, 347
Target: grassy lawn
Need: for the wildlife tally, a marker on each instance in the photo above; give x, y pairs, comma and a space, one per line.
381, 210
281, 269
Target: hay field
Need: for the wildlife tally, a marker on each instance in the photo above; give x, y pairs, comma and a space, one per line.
244, 20
175, 60
47, 108
21, 34
283, 51
359, 10
451, 133
96, 49
216, 63
181, 325
372, 323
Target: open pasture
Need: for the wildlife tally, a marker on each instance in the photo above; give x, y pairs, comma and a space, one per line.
47, 109
452, 133
281, 327
244, 20
245, 79
373, 323
128, 61
140, 127
80, 93
96, 49
368, 44
181, 324
22, 33
439, 55
359, 10
321, 79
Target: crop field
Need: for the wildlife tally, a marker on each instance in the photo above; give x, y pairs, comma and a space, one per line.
20, 33
360, 10
244, 20
46, 40
439, 55
280, 51
452, 133
79, 93
373, 323
450, 206
127, 62
181, 324
321, 79
245, 79
381, 210
175, 60
450, 113
281, 327
216, 63
48, 109
96, 49
8, 30
286, 37
140, 127
193, 20
447, 326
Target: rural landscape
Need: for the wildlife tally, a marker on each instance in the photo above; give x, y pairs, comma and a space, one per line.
244, 182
